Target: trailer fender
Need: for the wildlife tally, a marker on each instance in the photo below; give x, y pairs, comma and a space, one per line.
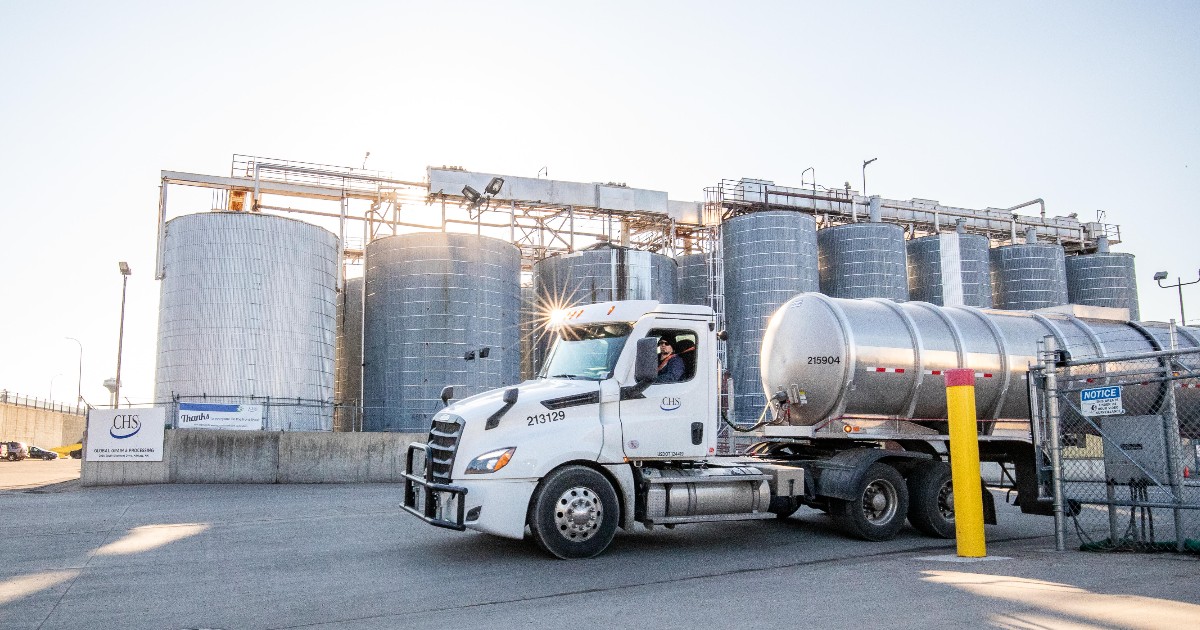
839, 474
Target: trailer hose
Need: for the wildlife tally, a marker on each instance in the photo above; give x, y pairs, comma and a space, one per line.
756, 426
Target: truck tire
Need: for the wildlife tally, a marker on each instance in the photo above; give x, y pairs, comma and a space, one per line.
882, 504
931, 497
574, 513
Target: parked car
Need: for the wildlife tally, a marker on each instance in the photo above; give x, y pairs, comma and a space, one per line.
41, 453
12, 451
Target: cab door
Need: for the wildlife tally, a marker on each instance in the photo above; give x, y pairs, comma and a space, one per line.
667, 420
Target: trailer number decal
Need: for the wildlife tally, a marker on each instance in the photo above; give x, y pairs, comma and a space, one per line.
543, 418
824, 360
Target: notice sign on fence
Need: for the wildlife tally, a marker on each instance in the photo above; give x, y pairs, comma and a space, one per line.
125, 435
1101, 401
214, 416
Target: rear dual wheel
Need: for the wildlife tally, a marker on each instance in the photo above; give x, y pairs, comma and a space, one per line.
881, 504
932, 492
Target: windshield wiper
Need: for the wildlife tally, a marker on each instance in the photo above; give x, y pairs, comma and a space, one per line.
570, 376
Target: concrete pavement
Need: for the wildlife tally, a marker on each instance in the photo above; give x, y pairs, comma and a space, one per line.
346, 556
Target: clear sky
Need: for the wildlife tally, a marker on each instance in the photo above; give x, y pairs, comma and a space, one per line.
1089, 105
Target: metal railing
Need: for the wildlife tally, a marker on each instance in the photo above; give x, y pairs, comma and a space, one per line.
1120, 443
12, 398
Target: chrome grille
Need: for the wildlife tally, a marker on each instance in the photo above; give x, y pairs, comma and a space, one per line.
443, 445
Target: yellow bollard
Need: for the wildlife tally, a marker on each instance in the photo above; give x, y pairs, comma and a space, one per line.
964, 463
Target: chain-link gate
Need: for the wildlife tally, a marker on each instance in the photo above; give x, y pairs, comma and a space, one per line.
1119, 440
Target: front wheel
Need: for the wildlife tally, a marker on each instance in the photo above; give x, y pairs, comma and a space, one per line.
880, 506
574, 513
12, 457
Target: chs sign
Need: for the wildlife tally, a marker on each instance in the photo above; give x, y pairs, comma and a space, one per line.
125, 435
1101, 401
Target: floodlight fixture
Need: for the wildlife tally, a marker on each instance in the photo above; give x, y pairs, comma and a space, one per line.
124, 266
494, 186
1162, 275
472, 195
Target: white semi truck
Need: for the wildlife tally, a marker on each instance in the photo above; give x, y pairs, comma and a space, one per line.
855, 424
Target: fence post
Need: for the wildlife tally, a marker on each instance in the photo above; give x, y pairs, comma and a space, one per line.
1051, 362
1171, 430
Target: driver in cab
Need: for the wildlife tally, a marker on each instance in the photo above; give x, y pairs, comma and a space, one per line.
670, 366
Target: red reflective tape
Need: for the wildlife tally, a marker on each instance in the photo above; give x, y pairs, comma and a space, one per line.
899, 370
880, 369
960, 377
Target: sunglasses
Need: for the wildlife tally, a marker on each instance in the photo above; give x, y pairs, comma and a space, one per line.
664, 343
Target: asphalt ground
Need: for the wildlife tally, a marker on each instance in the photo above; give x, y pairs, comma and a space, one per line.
347, 556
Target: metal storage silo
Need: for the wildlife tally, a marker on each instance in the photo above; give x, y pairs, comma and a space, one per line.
530, 320
1103, 279
248, 312
1027, 277
768, 258
430, 299
863, 260
604, 273
348, 356
950, 270
695, 279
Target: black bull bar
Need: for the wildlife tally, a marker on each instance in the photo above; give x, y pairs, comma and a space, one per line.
432, 495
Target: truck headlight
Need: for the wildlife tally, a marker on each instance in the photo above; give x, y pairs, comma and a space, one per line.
491, 461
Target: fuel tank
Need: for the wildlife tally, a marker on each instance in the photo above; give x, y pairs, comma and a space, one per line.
883, 359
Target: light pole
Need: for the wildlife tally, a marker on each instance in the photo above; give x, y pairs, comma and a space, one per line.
864, 174
79, 383
124, 266
1179, 284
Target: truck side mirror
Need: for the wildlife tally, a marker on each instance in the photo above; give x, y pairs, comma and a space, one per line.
723, 335
645, 369
447, 394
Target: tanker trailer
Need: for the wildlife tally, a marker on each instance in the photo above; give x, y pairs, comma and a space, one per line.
853, 372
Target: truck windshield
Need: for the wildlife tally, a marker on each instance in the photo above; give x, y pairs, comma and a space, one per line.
586, 352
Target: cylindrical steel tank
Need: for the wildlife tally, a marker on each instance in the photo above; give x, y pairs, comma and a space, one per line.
348, 356
863, 260
768, 257
248, 312
530, 321
880, 359
950, 269
1103, 279
605, 273
432, 298
1027, 277
601, 273
695, 279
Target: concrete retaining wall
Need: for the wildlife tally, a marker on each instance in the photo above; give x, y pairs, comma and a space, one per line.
202, 456
40, 427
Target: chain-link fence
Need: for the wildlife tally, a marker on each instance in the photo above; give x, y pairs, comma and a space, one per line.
1119, 439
